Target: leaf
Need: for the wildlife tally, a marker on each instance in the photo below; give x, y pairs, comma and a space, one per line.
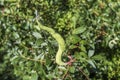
74, 39
11, 0
72, 69
34, 76
82, 54
13, 58
98, 57
91, 62
7, 10
37, 35
72, 46
82, 47
79, 30
26, 77
38, 57
37, 27
113, 42
62, 68
90, 53
16, 35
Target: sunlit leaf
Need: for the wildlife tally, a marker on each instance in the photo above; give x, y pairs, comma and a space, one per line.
91, 53
34, 76
79, 30
37, 35
91, 63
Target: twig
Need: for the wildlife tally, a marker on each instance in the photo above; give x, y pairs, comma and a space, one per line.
64, 76
87, 78
27, 58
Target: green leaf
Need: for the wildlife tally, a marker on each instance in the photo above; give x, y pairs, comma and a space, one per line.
16, 35
72, 46
113, 42
82, 54
11, 0
79, 30
90, 53
72, 69
91, 62
62, 68
37, 35
26, 77
7, 11
98, 57
34, 76
82, 47
74, 39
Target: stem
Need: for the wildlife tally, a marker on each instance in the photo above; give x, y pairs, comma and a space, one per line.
87, 78
28, 58
66, 72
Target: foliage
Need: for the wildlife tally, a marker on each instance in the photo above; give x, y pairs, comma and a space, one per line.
91, 30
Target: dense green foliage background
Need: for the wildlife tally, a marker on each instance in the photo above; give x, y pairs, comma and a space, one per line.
90, 28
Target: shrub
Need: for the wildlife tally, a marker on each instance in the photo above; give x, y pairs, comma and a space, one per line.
90, 28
